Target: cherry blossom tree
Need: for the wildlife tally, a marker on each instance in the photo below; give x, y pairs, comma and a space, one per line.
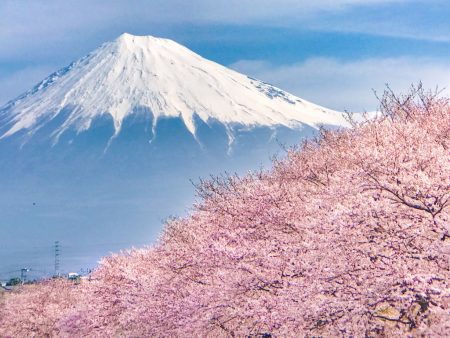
349, 235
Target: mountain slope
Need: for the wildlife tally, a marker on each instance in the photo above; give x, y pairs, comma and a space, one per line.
100, 152
142, 72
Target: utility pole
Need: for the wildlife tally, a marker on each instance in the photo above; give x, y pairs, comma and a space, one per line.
57, 253
23, 275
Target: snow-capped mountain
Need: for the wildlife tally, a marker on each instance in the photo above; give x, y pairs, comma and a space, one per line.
168, 80
100, 152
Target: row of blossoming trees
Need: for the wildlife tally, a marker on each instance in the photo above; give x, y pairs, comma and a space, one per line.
347, 236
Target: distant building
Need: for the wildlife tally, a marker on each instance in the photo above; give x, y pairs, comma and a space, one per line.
73, 276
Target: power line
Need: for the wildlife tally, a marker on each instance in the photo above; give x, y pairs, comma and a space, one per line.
81, 244
38, 265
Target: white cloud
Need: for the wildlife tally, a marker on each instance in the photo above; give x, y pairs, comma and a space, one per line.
414, 20
269, 11
347, 85
50, 13
34, 26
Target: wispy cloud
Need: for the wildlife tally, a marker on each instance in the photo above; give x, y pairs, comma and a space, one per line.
72, 13
416, 20
348, 85
36, 26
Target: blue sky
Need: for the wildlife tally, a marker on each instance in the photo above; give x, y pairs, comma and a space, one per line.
330, 52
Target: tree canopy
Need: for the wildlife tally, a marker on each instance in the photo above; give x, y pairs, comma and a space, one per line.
349, 235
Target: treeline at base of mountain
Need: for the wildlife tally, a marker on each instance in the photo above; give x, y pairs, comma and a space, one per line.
348, 236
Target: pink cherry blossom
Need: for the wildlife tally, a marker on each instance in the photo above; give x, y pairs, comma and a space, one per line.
349, 236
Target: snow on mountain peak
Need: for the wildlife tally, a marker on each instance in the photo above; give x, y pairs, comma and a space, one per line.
167, 79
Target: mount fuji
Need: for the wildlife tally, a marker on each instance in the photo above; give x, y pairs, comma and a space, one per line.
100, 152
